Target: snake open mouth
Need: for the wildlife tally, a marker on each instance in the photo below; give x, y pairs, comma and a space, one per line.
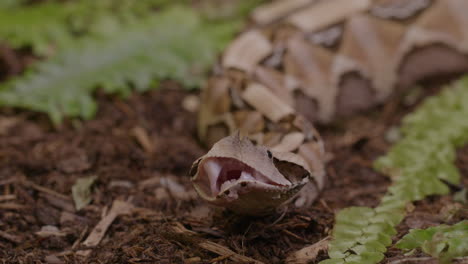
223, 173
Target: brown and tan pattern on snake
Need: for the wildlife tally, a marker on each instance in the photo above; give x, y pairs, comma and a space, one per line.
308, 61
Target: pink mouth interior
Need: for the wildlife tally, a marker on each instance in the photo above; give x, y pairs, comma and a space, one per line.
221, 173
228, 174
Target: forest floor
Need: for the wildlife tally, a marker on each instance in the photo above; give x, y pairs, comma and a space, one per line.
140, 150
143, 208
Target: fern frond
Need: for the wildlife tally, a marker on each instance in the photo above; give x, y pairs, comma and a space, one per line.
418, 164
55, 25
8, 4
443, 242
36, 25
175, 44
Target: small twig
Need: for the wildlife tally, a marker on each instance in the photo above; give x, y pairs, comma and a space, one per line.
309, 253
325, 205
12, 206
279, 218
220, 258
82, 235
45, 190
178, 228
223, 251
8, 181
289, 233
143, 139
118, 208
7, 197
10, 237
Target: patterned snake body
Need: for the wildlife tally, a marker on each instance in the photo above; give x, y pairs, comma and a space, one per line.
307, 61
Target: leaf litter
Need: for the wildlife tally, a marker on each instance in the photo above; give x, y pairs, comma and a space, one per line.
147, 232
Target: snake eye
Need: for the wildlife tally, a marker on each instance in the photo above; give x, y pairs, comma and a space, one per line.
269, 154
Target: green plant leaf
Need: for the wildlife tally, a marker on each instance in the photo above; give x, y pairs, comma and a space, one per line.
418, 164
141, 52
54, 25
37, 25
443, 242
9, 4
81, 191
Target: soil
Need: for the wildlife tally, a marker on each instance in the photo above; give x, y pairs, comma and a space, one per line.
140, 150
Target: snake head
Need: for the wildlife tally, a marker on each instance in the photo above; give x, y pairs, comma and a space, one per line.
247, 178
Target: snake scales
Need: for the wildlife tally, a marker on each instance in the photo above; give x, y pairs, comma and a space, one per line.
306, 61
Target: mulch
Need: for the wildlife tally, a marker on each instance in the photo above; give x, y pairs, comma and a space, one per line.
140, 150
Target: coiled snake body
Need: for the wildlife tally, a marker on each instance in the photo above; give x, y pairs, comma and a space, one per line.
307, 61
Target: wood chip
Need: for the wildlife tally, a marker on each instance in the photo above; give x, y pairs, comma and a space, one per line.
121, 184
224, 251
6, 123
213, 247
191, 103
143, 139
308, 254
7, 197
262, 99
12, 206
96, 235
201, 212
69, 217
161, 194
58, 202
192, 260
149, 183
48, 231
247, 51
10, 237
52, 259
176, 190
267, 13
290, 142
44, 189
84, 253
327, 13
8, 181
180, 229
220, 258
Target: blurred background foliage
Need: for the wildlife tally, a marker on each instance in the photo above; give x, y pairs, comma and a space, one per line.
115, 45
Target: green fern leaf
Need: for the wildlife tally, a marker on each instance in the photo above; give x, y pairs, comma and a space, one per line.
443, 242
418, 165
9, 4
53, 25
36, 25
175, 44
